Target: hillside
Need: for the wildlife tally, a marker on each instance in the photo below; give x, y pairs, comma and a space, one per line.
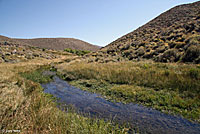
53, 43
173, 36
13, 53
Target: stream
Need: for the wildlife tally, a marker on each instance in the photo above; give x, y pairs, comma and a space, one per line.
146, 119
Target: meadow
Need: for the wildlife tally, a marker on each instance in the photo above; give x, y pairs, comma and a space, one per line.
26, 108
172, 88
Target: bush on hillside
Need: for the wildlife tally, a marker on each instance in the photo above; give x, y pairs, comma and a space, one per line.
192, 54
171, 55
77, 52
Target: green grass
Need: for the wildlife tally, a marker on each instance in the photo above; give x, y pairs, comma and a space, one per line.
171, 88
77, 52
25, 107
37, 76
46, 117
69, 122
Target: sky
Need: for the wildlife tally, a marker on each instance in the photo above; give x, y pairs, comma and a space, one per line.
98, 22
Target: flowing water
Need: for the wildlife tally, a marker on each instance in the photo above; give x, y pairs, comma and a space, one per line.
146, 119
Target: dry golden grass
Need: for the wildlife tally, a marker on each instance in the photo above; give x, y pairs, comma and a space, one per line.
36, 112
160, 75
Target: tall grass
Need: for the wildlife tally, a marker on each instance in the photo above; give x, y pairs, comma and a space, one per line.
25, 107
172, 88
154, 75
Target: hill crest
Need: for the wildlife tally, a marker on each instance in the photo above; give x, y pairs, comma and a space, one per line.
173, 36
53, 43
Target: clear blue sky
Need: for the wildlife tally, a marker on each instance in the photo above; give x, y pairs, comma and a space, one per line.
95, 21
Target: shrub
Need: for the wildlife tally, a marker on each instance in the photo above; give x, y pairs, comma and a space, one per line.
193, 40
140, 51
77, 52
179, 44
192, 54
194, 73
171, 55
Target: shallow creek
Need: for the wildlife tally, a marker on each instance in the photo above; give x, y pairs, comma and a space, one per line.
146, 119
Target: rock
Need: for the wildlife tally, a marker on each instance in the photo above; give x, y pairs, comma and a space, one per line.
14, 51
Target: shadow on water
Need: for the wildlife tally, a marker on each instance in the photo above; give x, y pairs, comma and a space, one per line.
148, 120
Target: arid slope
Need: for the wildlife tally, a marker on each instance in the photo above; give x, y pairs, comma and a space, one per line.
173, 36
53, 43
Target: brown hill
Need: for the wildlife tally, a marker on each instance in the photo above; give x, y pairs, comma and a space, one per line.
173, 36
53, 43
12, 53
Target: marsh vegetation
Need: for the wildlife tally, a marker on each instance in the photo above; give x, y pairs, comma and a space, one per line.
171, 88
25, 107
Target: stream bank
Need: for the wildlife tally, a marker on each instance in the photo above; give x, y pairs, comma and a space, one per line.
146, 119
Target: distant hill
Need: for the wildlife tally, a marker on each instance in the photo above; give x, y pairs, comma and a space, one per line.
13, 53
173, 36
53, 43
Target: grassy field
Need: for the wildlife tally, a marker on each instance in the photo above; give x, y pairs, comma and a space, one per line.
24, 106
171, 88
